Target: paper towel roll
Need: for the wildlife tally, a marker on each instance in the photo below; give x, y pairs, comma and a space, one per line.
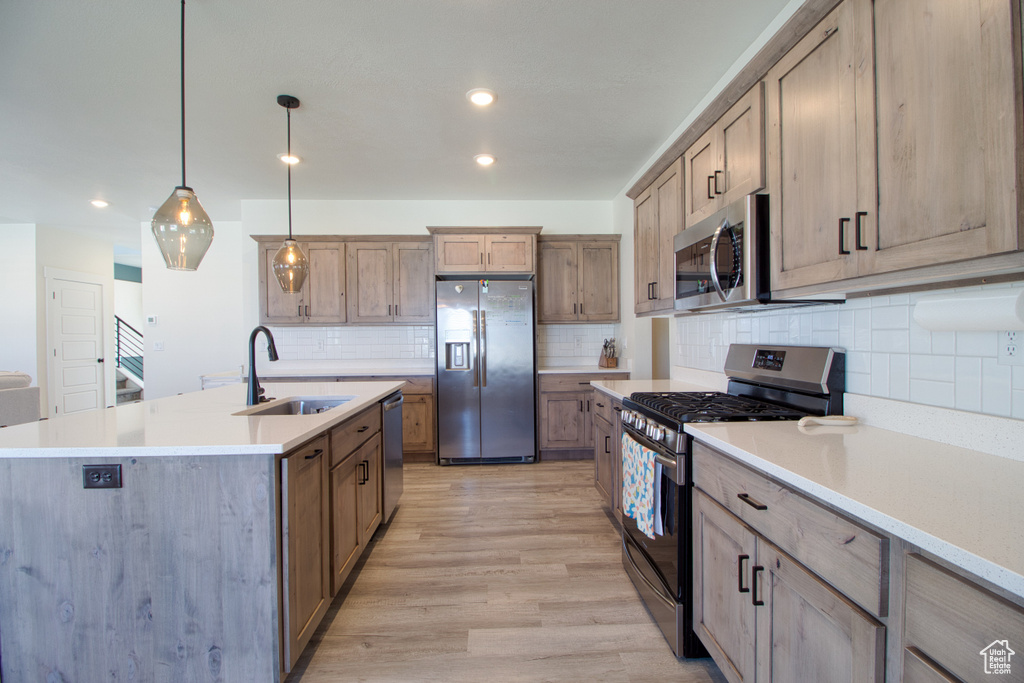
1000, 309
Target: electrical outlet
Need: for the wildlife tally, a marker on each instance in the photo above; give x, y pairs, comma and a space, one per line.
158, 346
319, 344
1011, 348
101, 476
579, 343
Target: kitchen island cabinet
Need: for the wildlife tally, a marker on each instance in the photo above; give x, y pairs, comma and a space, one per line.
207, 563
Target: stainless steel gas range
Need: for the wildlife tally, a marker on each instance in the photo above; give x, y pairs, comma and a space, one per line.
766, 382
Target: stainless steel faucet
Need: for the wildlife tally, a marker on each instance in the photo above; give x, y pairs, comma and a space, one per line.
255, 393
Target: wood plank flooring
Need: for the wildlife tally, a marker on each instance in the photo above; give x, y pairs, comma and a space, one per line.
494, 573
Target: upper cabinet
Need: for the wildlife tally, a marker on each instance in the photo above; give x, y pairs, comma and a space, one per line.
657, 217
322, 297
485, 250
390, 282
727, 162
578, 278
893, 142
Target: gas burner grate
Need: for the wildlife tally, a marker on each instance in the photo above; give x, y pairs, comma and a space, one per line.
712, 406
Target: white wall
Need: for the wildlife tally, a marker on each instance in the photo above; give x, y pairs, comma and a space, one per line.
128, 302
70, 251
18, 350
199, 314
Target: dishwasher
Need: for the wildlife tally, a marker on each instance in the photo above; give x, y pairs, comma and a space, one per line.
392, 428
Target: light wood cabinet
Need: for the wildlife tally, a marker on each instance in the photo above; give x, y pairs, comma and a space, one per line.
305, 541
727, 162
894, 143
578, 279
657, 218
479, 250
322, 297
390, 282
355, 490
821, 152
566, 407
949, 624
764, 617
607, 451
761, 611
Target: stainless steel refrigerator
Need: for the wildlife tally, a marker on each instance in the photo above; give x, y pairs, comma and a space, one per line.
486, 366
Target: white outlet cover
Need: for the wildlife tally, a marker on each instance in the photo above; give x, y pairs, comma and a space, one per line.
1011, 348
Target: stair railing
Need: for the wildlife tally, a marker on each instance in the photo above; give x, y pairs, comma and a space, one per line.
129, 347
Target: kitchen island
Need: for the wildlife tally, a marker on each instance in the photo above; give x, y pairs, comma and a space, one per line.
212, 560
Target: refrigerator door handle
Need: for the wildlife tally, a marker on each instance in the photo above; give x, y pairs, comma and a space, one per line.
473, 351
483, 348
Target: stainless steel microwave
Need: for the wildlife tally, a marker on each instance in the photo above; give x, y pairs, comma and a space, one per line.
722, 262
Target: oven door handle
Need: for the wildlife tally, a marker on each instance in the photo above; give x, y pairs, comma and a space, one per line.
657, 590
665, 462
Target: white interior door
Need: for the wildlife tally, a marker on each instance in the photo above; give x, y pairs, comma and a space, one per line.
75, 333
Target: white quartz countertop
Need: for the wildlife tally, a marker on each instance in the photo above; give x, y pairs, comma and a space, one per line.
199, 423
622, 388
959, 504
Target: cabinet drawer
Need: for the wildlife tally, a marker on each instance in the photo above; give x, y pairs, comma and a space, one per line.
574, 382
850, 557
951, 620
603, 407
347, 436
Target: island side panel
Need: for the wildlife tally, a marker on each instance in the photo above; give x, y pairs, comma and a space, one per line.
173, 577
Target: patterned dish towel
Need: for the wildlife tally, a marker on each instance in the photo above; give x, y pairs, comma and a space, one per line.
638, 484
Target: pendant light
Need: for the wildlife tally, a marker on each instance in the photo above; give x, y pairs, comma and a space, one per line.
181, 227
290, 264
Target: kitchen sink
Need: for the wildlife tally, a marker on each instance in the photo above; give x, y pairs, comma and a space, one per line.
297, 405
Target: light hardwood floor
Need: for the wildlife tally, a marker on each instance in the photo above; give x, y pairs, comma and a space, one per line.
494, 573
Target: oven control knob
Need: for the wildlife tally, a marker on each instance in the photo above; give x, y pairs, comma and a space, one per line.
640, 423
657, 433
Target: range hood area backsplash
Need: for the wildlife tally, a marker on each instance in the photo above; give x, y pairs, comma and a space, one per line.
556, 344
888, 355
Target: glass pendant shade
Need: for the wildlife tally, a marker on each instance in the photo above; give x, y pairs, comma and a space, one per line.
290, 267
182, 230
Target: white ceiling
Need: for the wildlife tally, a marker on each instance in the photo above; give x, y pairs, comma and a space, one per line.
587, 91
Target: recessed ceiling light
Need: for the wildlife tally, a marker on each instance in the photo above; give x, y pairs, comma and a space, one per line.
480, 96
99, 203
484, 159
289, 159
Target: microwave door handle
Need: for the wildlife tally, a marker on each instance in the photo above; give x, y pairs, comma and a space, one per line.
712, 256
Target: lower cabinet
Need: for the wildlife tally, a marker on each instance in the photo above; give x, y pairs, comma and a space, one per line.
607, 451
765, 617
566, 406
356, 495
305, 558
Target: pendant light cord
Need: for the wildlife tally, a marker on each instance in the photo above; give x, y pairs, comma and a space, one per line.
183, 183
289, 172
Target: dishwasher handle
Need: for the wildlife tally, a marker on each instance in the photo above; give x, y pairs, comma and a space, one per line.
393, 402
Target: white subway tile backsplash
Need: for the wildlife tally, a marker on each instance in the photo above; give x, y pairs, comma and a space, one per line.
888, 354
995, 392
932, 393
984, 344
968, 384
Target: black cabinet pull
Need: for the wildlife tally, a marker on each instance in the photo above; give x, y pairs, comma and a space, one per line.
300, 311
711, 191
607, 448
654, 289
581, 309
389, 309
842, 236
315, 454
756, 601
740, 559
617, 409
581, 406
363, 429
600, 405
364, 477
717, 191
745, 497
588, 406
859, 227
307, 311
574, 309
396, 310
